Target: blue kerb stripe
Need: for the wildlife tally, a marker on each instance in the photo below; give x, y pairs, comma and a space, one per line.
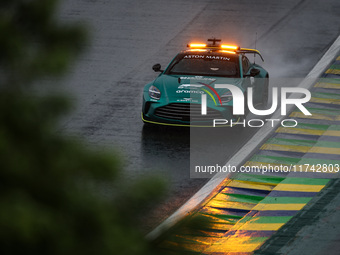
276, 213
230, 211
244, 191
278, 193
326, 90
297, 136
321, 106
287, 154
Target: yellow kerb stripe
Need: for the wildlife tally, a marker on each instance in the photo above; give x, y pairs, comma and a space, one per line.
332, 133
304, 149
263, 167
261, 226
245, 185
325, 100
232, 205
278, 207
234, 244
333, 71
279, 147
298, 187
303, 131
327, 85
300, 131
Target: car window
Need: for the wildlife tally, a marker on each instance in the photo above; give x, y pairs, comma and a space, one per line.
205, 65
245, 64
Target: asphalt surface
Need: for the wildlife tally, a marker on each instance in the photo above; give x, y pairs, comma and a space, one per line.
129, 36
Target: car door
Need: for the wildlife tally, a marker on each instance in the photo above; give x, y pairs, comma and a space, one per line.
252, 82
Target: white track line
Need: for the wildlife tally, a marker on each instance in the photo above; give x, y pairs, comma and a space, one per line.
246, 150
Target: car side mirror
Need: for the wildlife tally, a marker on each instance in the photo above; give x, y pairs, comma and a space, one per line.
254, 72
157, 68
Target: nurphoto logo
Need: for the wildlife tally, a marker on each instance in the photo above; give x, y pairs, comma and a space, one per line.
239, 103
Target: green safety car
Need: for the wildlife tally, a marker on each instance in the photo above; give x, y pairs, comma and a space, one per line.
175, 96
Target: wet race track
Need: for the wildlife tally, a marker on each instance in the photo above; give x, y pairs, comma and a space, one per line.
129, 36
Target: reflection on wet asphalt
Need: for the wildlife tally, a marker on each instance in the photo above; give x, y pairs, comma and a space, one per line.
172, 151
167, 151
215, 146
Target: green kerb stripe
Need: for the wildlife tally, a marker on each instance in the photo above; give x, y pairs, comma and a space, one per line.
329, 80
291, 160
267, 219
334, 67
324, 111
325, 95
243, 198
307, 181
258, 178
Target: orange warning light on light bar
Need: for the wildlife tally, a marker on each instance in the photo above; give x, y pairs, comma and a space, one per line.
229, 47
197, 45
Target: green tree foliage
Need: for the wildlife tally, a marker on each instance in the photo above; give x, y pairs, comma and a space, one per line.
56, 196
33, 42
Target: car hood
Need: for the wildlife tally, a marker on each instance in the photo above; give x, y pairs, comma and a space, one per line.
182, 88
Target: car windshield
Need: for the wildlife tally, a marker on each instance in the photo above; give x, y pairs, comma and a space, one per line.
205, 64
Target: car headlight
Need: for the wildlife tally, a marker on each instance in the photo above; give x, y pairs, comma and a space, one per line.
154, 93
227, 97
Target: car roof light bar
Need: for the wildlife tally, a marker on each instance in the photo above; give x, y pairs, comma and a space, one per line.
197, 45
229, 47
223, 47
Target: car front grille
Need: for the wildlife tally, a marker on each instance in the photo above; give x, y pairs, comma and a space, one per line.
186, 112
